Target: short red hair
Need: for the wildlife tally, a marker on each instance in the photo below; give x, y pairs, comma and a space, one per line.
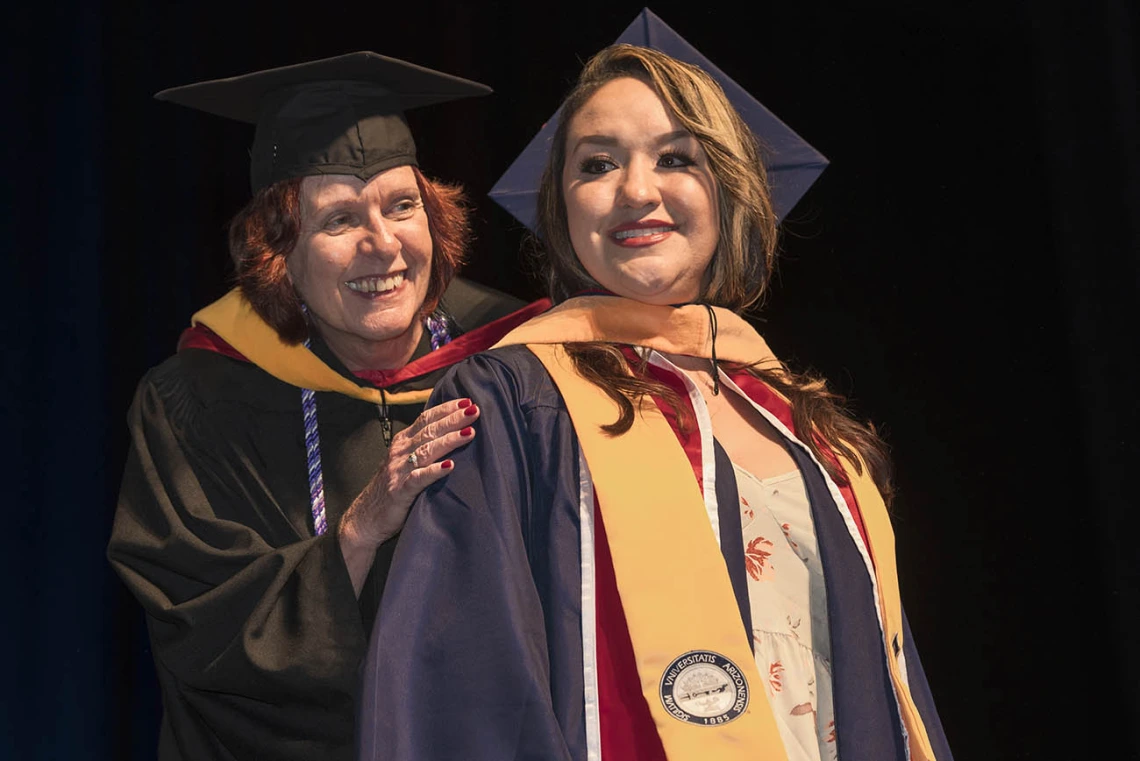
266, 231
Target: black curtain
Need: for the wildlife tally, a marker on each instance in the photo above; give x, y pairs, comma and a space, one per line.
967, 270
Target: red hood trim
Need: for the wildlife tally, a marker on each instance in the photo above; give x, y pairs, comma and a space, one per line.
472, 342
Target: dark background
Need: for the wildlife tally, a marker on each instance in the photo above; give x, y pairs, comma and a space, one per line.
967, 269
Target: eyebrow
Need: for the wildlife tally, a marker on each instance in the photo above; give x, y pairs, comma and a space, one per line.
610, 140
411, 191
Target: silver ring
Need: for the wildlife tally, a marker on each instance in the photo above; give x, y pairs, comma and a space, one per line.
413, 460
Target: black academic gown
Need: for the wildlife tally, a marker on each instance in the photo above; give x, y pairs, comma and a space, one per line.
256, 633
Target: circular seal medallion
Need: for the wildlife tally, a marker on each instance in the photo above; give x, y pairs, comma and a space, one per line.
703, 687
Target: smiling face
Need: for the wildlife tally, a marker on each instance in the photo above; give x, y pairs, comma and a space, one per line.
641, 202
362, 264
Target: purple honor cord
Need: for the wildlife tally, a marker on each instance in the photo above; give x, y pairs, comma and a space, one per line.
437, 327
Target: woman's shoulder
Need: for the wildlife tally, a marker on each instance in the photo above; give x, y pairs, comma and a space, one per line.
513, 372
194, 382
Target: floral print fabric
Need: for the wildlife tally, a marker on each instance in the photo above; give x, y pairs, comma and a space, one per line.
789, 611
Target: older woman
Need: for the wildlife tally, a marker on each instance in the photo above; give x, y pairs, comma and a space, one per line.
275, 456
663, 544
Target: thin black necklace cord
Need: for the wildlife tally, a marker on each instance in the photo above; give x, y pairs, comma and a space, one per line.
715, 371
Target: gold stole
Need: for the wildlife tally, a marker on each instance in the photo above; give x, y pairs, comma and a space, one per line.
233, 319
669, 614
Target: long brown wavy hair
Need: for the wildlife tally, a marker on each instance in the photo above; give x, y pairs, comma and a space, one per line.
740, 269
266, 230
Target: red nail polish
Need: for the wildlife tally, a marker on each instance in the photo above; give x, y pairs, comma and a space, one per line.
468, 431
447, 464
472, 410
464, 403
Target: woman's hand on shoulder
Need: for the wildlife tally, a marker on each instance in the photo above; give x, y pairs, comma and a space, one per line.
416, 459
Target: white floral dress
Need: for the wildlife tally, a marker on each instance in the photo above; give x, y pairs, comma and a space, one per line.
789, 611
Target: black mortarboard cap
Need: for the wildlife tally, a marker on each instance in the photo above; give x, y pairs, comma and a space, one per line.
340, 115
792, 164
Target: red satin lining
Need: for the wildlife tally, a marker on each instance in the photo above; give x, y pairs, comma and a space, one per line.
775, 404
201, 337
472, 342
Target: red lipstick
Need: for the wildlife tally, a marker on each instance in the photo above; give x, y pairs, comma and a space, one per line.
646, 232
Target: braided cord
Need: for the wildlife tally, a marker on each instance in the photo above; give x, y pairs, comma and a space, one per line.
313, 460
437, 325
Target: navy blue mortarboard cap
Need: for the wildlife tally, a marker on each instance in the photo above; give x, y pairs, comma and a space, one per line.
792, 164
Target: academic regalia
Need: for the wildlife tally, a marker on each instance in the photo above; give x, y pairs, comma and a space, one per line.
503, 634
256, 634
223, 531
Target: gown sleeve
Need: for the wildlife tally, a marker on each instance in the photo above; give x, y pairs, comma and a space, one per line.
464, 657
255, 630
